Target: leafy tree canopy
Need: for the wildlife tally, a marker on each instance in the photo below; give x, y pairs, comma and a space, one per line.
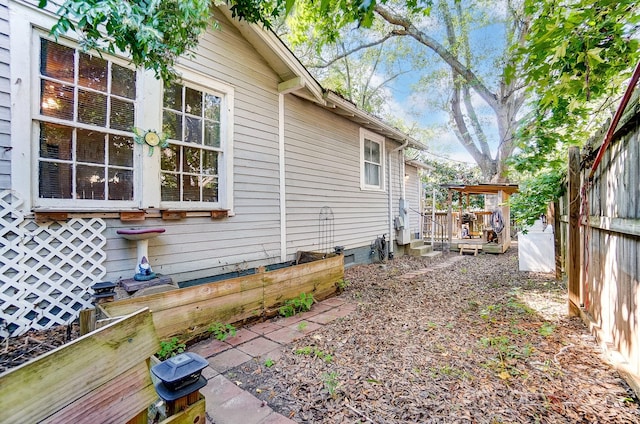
446, 173
577, 58
156, 32
578, 53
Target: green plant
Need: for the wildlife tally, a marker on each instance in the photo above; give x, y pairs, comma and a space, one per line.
301, 303
342, 284
546, 329
302, 325
331, 382
486, 313
170, 348
308, 350
269, 363
221, 331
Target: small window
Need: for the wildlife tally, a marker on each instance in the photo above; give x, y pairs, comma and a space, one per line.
86, 114
190, 166
372, 161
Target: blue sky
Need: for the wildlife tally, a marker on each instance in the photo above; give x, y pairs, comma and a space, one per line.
418, 107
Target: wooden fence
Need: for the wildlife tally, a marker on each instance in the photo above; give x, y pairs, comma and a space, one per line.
599, 235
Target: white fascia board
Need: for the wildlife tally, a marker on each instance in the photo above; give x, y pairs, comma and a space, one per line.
267, 42
418, 164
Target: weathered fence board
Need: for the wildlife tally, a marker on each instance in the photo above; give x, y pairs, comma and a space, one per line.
106, 369
188, 312
608, 265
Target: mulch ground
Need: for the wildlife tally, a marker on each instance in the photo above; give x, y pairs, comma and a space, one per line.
475, 341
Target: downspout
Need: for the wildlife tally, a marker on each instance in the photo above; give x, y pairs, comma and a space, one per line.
390, 199
281, 164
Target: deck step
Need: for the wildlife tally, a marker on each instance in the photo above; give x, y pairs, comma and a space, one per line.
432, 254
416, 243
419, 250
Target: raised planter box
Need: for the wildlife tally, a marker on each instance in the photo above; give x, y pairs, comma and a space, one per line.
188, 312
102, 377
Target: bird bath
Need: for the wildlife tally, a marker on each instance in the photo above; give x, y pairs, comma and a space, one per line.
141, 236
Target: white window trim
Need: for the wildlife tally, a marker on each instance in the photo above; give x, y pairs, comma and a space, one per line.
225, 166
377, 138
36, 117
27, 23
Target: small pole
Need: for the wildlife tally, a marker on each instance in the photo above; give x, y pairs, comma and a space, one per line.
87, 320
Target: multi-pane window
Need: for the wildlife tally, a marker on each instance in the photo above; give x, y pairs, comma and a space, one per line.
190, 165
86, 115
372, 155
372, 163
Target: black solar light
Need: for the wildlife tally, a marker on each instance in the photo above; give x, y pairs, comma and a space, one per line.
180, 379
103, 291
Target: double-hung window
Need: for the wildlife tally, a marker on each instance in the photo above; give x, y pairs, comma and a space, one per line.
371, 160
193, 167
83, 123
86, 156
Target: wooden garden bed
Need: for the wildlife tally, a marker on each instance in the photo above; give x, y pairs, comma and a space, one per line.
187, 313
99, 378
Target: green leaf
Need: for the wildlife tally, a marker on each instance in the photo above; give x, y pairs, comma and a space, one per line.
595, 54
289, 6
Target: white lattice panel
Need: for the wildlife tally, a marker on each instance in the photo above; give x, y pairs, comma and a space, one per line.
11, 257
47, 269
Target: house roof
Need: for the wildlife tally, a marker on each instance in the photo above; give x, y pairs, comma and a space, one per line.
296, 79
419, 165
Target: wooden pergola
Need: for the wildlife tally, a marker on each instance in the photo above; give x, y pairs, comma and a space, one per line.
503, 191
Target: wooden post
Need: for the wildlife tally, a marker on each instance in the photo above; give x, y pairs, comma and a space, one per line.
450, 217
573, 241
554, 212
87, 321
460, 215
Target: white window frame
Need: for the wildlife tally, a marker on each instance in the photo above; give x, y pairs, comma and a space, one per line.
36, 118
226, 93
27, 25
376, 138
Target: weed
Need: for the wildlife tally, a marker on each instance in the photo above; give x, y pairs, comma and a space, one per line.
221, 331
314, 351
301, 303
342, 285
520, 307
269, 363
302, 325
449, 371
486, 313
546, 329
170, 348
518, 331
331, 383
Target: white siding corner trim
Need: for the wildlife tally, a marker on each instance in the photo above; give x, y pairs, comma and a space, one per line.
283, 183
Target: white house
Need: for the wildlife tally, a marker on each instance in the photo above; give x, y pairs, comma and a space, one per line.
261, 163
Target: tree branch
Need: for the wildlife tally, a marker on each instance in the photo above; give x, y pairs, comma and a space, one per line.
349, 52
408, 29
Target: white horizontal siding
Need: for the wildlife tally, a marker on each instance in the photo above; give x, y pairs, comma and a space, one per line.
413, 191
200, 247
323, 169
